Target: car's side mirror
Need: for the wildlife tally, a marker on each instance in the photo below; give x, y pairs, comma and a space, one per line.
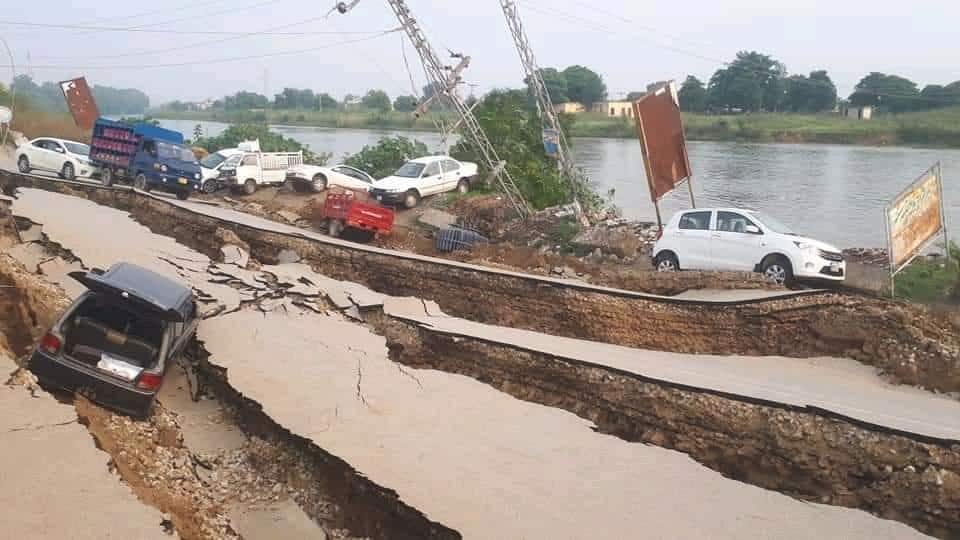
752, 229
58, 150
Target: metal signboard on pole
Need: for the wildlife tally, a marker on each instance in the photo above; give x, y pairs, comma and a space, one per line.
914, 219
663, 143
80, 101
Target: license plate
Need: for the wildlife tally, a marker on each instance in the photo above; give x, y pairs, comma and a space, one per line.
182, 180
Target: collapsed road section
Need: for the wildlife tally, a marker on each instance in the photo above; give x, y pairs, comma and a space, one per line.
907, 343
422, 432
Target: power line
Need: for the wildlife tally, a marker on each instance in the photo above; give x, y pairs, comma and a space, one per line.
234, 36
597, 26
199, 32
219, 60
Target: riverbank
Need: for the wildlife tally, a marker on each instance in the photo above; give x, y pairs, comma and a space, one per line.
938, 128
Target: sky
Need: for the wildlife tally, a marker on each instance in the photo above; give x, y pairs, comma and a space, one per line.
630, 43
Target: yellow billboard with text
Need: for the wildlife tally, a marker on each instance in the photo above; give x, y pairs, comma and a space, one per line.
915, 217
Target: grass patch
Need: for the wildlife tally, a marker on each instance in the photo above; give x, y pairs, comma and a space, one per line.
931, 281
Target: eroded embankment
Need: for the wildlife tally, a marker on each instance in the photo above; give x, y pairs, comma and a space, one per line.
905, 341
813, 457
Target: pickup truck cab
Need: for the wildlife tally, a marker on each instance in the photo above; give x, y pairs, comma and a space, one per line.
153, 157
251, 168
421, 177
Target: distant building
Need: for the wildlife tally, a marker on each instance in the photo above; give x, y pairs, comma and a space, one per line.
570, 107
614, 109
859, 113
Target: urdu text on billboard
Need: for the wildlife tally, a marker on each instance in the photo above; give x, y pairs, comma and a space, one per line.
915, 217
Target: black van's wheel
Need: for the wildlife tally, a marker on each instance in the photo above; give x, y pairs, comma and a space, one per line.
249, 187
23, 164
140, 182
106, 177
68, 172
183, 194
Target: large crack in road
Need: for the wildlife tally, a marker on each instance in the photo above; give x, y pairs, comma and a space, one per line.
451, 450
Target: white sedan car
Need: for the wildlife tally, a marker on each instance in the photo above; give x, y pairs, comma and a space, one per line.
735, 239
68, 159
424, 176
317, 178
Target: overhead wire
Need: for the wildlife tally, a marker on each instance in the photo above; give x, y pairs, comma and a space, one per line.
234, 36
600, 27
220, 60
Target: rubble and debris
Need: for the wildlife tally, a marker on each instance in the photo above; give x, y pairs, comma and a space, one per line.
235, 255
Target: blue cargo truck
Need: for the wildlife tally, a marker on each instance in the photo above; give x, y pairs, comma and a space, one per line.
149, 156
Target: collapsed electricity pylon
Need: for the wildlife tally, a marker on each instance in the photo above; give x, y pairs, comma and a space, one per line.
444, 80
579, 186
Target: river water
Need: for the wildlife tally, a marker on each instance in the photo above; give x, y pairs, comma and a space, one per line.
832, 192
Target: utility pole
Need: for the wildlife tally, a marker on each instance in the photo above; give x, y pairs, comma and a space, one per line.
548, 116
445, 80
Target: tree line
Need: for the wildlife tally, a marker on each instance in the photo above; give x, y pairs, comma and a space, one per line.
755, 82
308, 100
48, 96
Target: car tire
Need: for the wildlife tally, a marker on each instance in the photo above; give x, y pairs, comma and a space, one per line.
183, 194
411, 199
68, 172
249, 187
463, 186
777, 268
23, 164
106, 177
140, 182
666, 262
319, 183
209, 186
335, 228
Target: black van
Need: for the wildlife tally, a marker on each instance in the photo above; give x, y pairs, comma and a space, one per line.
116, 341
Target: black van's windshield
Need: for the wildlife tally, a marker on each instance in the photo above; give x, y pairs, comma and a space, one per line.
175, 151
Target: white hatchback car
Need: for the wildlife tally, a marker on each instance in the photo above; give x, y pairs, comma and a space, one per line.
68, 159
744, 240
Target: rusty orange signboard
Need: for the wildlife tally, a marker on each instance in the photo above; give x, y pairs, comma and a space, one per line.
915, 217
80, 101
662, 141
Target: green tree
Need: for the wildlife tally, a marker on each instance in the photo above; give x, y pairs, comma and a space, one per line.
385, 157
405, 103
327, 103
377, 100
752, 82
892, 92
936, 96
515, 133
584, 86
197, 132
635, 95
244, 100
693, 95
114, 101
812, 94
556, 84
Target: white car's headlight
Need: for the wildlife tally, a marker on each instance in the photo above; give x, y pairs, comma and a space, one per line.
804, 245
196, 176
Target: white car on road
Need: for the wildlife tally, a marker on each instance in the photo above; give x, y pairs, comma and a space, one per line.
424, 176
743, 240
317, 178
210, 167
69, 159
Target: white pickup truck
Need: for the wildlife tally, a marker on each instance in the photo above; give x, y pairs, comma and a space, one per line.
252, 168
424, 176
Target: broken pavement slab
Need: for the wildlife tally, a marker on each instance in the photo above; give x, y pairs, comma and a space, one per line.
438, 219
56, 483
235, 255
519, 467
